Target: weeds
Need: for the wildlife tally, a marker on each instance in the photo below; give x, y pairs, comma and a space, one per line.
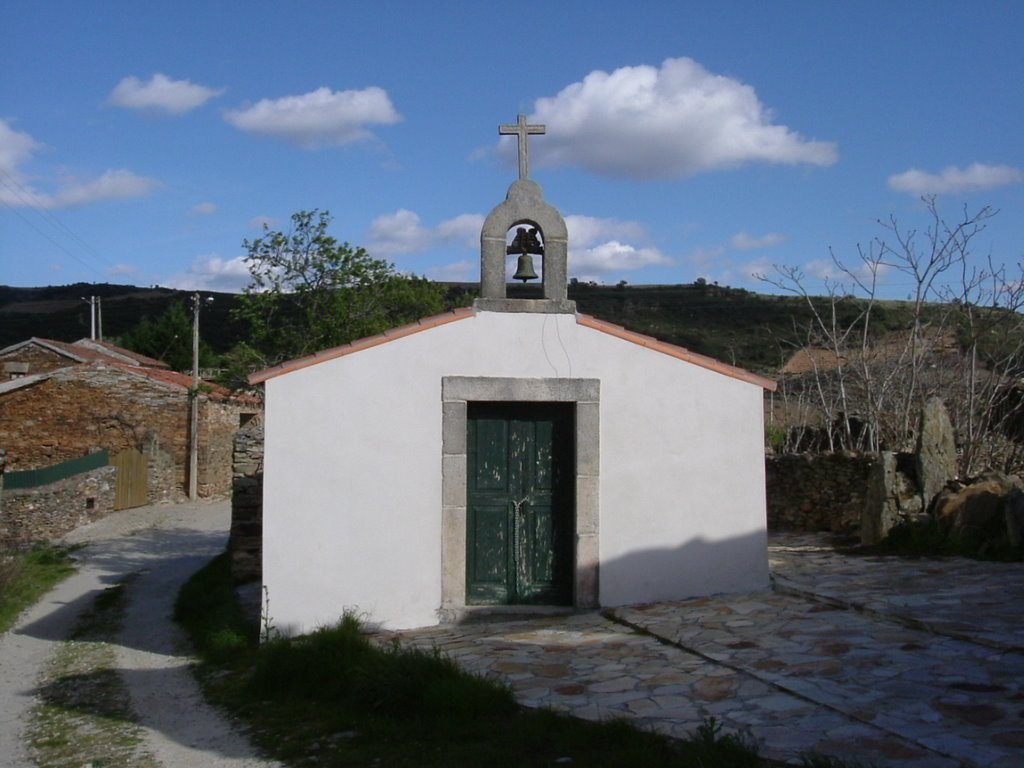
25, 577
207, 608
334, 698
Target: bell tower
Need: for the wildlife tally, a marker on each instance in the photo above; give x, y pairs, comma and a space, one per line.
539, 231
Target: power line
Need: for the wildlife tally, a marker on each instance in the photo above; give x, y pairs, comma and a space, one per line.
30, 199
47, 236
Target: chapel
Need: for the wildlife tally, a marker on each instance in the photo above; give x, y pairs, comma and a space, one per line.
515, 455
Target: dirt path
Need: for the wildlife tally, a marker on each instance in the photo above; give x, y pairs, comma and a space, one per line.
163, 545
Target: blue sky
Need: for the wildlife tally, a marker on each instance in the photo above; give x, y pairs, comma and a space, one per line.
142, 142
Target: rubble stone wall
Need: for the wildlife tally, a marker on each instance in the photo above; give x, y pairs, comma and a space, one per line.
817, 491
85, 408
30, 360
31, 515
80, 410
246, 540
218, 424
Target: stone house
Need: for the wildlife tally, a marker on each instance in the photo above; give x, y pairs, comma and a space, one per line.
38, 355
103, 397
513, 455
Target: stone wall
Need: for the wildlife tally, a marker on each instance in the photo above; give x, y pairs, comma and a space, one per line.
30, 360
246, 541
162, 473
817, 491
218, 423
89, 407
86, 408
31, 515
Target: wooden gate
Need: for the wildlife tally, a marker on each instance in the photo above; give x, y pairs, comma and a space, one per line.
132, 479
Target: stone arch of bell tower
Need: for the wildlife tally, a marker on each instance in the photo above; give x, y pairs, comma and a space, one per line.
524, 205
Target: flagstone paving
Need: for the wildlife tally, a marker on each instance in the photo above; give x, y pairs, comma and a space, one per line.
914, 663
953, 596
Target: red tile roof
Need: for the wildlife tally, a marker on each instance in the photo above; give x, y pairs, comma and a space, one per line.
587, 321
680, 353
184, 381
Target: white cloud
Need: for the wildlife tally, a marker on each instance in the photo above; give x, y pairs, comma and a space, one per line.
213, 273
161, 94
395, 233
743, 241
749, 270
823, 269
123, 269
674, 121
827, 269
18, 148
613, 256
596, 245
203, 209
259, 222
457, 272
112, 185
402, 232
319, 118
585, 231
464, 230
953, 180
705, 258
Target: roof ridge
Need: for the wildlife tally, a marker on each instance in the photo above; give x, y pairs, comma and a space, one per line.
674, 350
358, 345
649, 342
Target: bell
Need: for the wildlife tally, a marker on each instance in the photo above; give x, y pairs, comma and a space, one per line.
524, 268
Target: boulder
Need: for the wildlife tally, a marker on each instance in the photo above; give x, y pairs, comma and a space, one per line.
973, 514
880, 509
1014, 512
892, 497
936, 451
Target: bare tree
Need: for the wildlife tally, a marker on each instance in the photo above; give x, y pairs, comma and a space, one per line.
960, 335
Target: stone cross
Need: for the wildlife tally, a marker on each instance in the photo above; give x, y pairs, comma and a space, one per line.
522, 130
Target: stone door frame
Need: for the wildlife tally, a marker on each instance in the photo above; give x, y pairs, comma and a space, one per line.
456, 393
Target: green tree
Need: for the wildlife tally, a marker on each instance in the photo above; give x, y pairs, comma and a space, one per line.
168, 337
309, 292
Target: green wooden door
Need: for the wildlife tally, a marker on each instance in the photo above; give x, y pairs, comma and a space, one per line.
520, 503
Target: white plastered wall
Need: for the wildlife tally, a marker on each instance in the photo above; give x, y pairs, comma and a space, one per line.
352, 483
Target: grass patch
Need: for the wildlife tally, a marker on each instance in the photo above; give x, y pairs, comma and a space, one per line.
27, 576
333, 698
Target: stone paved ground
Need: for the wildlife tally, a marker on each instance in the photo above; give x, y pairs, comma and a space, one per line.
915, 663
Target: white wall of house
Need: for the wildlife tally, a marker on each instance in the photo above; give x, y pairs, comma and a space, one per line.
352, 482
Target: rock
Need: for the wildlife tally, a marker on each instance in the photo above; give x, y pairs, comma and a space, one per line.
975, 513
1014, 513
880, 509
936, 451
892, 497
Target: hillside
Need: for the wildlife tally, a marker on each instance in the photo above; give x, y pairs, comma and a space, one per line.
62, 312
752, 330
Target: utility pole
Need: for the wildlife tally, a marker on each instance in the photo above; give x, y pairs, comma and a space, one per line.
193, 448
99, 317
91, 301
